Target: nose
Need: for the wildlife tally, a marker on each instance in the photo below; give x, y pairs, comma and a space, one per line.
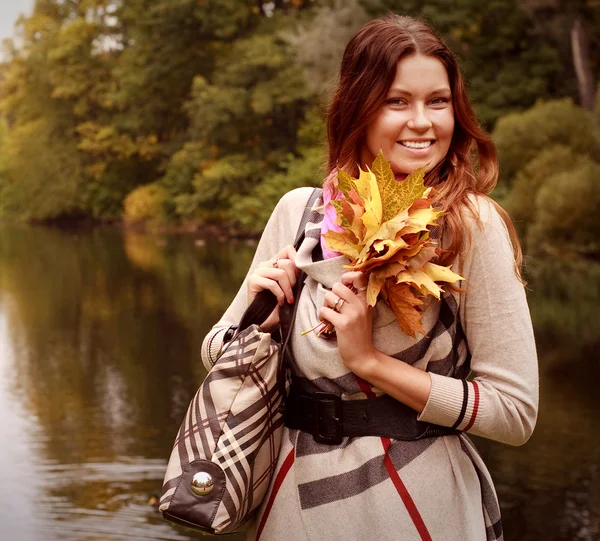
419, 120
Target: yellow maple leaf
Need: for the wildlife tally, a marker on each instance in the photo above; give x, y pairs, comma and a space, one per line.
341, 242
422, 218
373, 288
441, 274
420, 280
387, 230
377, 278
383, 251
398, 195
373, 209
386, 235
344, 183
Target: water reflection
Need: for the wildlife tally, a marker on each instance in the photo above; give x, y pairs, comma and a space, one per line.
100, 342
100, 334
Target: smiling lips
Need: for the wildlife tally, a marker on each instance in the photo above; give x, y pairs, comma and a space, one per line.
416, 144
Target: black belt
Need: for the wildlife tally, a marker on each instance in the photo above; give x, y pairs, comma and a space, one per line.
329, 418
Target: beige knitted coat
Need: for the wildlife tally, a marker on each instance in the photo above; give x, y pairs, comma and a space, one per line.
376, 488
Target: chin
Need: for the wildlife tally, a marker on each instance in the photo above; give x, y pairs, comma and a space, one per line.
407, 168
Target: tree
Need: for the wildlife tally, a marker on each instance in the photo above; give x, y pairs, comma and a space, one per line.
508, 65
243, 120
573, 29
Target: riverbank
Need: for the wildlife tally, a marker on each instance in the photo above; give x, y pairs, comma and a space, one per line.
205, 231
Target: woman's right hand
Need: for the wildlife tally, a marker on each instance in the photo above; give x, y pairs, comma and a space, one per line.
278, 275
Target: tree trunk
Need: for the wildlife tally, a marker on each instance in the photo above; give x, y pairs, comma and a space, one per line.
583, 69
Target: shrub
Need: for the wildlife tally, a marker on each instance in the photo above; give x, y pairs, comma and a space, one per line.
251, 213
521, 200
146, 205
566, 213
520, 137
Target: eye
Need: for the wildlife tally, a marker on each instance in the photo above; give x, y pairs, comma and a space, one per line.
439, 101
396, 101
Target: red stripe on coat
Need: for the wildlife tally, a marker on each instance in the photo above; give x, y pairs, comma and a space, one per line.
404, 494
400, 486
285, 468
365, 387
475, 406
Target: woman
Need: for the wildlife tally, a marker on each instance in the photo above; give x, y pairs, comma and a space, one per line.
413, 474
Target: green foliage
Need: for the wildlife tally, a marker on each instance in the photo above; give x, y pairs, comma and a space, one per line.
146, 204
40, 174
219, 103
247, 117
251, 213
566, 213
552, 150
563, 298
318, 42
521, 199
519, 137
507, 61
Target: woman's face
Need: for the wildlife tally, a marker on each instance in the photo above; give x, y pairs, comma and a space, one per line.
414, 126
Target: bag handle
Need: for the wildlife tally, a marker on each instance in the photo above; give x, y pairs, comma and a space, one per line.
266, 301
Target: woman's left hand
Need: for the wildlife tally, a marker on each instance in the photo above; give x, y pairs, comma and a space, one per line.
352, 318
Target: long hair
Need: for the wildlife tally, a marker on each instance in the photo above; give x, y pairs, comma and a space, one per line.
367, 71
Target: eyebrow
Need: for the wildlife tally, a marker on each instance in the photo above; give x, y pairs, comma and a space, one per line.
442, 90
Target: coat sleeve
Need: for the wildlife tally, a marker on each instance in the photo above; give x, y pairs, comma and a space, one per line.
500, 400
281, 230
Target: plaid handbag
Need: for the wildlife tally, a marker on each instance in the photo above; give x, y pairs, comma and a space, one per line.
228, 444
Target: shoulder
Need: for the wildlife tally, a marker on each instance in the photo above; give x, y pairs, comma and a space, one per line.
487, 232
294, 200
285, 218
483, 217
482, 209
291, 206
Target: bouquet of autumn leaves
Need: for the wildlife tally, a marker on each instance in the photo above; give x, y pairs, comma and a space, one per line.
383, 228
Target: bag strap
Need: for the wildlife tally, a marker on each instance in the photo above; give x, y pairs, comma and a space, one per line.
266, 301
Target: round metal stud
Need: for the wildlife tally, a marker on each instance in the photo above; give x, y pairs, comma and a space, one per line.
202, 484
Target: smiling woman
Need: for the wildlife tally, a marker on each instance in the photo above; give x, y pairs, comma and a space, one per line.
375, 444
414, 126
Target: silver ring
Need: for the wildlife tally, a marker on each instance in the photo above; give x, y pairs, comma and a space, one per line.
338, 304
276, 263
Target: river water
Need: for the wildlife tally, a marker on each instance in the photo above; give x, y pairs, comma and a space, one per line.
100, 334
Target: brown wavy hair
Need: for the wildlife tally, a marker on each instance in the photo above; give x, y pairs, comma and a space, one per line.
367, 71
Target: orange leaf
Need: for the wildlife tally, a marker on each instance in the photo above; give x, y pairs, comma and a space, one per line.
405, 305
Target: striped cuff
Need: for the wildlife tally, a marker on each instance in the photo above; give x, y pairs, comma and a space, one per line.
211, 346
452, 402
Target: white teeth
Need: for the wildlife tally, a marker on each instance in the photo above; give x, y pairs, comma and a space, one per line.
416, 144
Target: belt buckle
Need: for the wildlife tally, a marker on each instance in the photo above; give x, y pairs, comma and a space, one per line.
319, 399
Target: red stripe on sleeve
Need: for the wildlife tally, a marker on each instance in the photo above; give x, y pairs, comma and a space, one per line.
285, 468
475, 406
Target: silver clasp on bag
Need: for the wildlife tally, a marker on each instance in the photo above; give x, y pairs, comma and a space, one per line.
202, 483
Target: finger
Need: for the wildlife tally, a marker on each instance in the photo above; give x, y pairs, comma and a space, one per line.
288, 266
344, 292
281, 277
288, 252
333, 301
328, 314
262, 283
355, 279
